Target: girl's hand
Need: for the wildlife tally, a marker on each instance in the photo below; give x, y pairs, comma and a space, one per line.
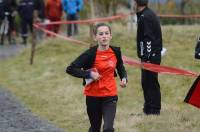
95, 75
123, 83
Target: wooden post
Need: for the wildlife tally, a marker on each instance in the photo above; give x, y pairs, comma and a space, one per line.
33, 45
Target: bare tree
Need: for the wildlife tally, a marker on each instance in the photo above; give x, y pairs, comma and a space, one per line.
91, 25
114, 6
158, 5
106, 7
182, 8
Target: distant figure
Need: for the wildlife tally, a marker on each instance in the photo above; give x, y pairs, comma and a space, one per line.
72, 9
26, 9
8, 8
39, 6
149, 47
97, 67
1, 11
53, 12
1, 19
39, 15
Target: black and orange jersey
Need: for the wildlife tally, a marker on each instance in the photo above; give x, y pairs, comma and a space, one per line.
105, 63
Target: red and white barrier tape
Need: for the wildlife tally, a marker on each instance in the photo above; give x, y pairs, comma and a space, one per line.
158, 68
89, 21
119, 16
196, 16
127, 60
60, 36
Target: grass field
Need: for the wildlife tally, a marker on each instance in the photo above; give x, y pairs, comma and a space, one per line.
48, 91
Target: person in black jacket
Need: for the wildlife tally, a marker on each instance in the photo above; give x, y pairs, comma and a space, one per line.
149, 46
39, 17
8, 8
1, 10
97, 67
26, 10
39, 6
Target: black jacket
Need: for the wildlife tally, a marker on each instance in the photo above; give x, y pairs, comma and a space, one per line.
7, 6
10, 5
26, 9
1, 10
85, 61
40, 7
149, 36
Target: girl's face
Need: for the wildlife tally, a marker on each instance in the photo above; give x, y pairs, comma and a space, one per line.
103, 36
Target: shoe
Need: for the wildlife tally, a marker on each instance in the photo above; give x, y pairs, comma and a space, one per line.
24, 40
151, 112
23, 43
156, 114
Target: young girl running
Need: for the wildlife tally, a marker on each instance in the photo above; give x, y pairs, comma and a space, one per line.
97, 68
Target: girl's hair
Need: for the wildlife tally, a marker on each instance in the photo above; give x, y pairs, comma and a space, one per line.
100, 25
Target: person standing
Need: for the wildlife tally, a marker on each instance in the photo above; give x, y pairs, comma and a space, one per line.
39, 17
97, 67
53, 12
9, 10
72, 9
1, 11
39, 6
26, 10
149, 46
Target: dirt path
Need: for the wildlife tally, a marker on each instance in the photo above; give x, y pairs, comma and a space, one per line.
10, 50
14, 116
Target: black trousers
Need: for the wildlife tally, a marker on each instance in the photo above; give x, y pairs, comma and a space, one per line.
99, 108
25, 24
151, 89
72, 29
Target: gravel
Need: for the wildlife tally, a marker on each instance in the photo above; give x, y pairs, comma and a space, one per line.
10, 50
14, 116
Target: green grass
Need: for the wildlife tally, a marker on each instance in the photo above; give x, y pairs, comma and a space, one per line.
48, 91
